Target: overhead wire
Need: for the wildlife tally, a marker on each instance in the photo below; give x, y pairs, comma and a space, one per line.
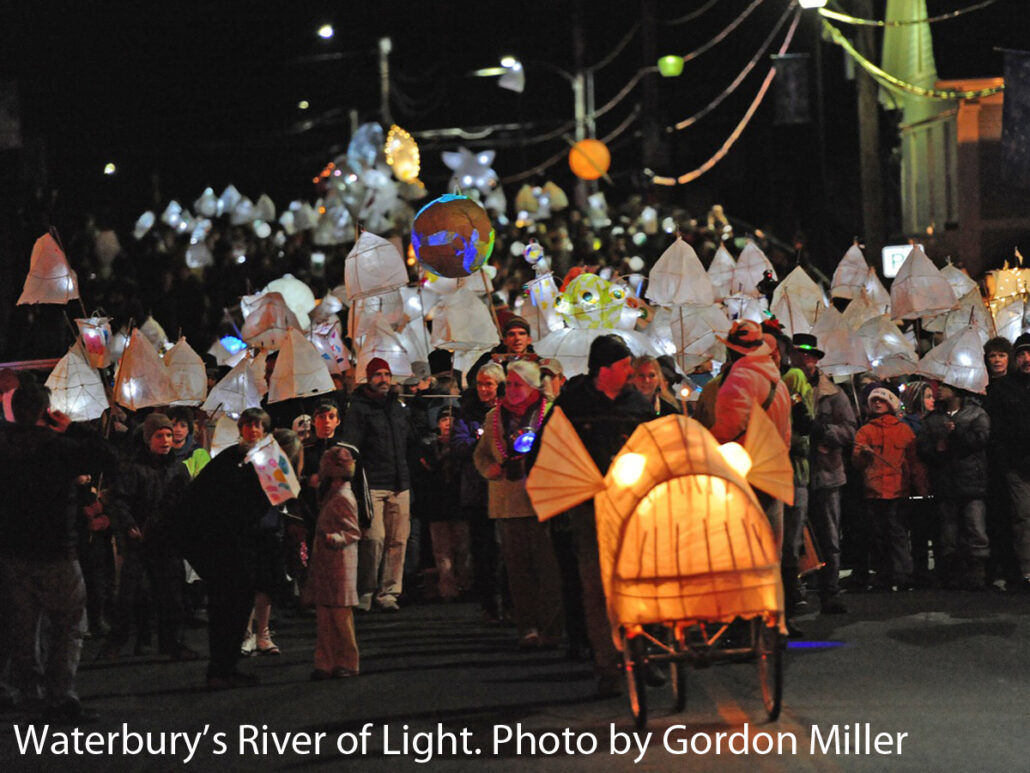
722, 35
617, 50
848, 19
690, 16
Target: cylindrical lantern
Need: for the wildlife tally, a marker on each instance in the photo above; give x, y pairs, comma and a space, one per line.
96, 338
670, 66
452, 236
589, 159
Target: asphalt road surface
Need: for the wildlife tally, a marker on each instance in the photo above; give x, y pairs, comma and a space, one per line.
917, 681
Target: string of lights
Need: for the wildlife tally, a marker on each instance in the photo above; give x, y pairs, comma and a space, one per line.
889, 81
847, 19
740, 77
720, 154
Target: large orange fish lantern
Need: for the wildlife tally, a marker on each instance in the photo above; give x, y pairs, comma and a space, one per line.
452, 236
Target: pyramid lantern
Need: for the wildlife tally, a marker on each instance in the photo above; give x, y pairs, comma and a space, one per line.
235, 393
851, 273
373, 266
750, 271
187, 373
226, 433
142, 380
268, 322
381, 341
462, 322
862, 309
971, 311
877, 292
720, 271
958, 362
50, 278
889, 352
845, 353
299, 371
297, 295
919, 290
960, 281
695, 331
796, 301
679, 277
76, 389
1008, 318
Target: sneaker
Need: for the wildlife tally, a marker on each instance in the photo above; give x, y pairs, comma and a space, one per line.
249, 645
71, 712
264, 644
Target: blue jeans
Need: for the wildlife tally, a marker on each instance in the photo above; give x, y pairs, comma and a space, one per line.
57, 589
824, 517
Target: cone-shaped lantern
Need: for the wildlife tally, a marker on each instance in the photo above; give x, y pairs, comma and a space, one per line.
971, 312
382, 342
720, 271
1008, 318
960, 281
889, 352
235, 393
373, 266
50, 278
797, 294
679, 277
695, 331
877, 292
327, 336
850, 276
142, 380
845, 353
751, 267
226, 434
462, 322
267, 325
76, 388
743, 306
153, 332
958, 362
187, 373
299, 371
919, 290
862, 309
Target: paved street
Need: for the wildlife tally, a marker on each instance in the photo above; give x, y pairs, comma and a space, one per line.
948, 670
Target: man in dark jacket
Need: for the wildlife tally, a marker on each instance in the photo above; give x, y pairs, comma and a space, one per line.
43, 454
516, 341
377, 425
604, 414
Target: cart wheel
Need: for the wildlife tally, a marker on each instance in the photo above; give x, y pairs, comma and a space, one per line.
769, 656
633, 661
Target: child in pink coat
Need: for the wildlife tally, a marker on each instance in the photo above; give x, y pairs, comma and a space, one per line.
332, 576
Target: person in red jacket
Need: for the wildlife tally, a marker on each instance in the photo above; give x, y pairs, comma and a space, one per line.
884, 453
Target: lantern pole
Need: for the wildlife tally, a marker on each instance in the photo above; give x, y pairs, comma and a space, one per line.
490, 302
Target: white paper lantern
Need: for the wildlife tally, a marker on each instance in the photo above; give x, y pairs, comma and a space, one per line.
299, 371
50, 278
187, 373
958, 362
373, 266
76, 389
679, 277
142, 380
919, 290
850, 276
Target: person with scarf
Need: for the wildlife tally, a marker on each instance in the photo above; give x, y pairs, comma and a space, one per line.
509, 431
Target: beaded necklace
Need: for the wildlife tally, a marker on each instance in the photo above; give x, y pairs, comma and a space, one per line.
500, 436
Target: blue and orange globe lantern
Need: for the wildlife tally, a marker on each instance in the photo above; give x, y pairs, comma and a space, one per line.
452, 236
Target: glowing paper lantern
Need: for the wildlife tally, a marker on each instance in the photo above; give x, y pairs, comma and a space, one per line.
889, 352
796, 301
96, 339
589, 159
76, 388
235, 393
299, 371
559, 199
958, 362
862, 309
153, 332
207, 204
720, 271
452, 236
877, 292
382, 342
373, 266
572, 346
960, 281
741, 306
402, 154
750, 271
267, 325
850, 276
298, 296
142, 380
462, 322
229, 199
143, 225
327, 336
845, 352
50, 278
187, 373
919, 290
679, 277
589, 301
226, 434
264, 210
694, 330
275, 473
971, 312
471, 170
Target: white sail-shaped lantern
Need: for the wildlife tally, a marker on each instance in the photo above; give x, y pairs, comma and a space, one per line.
381, 341
264, 209
235, 393
299, 371
538, 306
267, 325
1008, 318
679, 277
571, 346
797, 294
76, 388
229, 199
877, 292
743, 306
142, 380
187, 373
850, 276
919, 290
889, 352
364, 312
960, 281
155, 333
750, 271
958, 362
862, 309
462, 322
720, 271
971, 312
227, 433
50, 278
327, 336
845, 353
298, 296
373, 266
695, 331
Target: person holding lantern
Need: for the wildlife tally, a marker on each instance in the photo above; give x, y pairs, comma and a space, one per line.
509, 431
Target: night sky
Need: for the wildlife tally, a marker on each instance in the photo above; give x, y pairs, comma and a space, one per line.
184, 95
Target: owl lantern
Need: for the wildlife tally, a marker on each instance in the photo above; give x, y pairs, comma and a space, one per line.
452, 236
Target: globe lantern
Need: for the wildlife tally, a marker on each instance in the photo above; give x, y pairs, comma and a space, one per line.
589, 159
452, 236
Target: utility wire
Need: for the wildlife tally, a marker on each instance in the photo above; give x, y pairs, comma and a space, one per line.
847, 19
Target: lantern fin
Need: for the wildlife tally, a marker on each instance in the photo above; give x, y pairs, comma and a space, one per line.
771, 470
564, 474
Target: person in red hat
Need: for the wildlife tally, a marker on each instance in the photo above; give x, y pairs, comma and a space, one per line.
376, 424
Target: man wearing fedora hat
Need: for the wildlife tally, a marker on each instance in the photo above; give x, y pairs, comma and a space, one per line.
832, 431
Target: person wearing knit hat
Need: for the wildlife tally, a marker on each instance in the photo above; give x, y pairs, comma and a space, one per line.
153, 423
516, 343
606, 351
376, 365
892, 401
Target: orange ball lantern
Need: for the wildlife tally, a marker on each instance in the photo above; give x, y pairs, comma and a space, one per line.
452, 236
589, 159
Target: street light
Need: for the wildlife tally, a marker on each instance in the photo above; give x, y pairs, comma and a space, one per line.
325, 31
812, 3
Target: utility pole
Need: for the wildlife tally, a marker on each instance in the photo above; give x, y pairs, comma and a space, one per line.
869, 134
579, 92
653, 152
385, 46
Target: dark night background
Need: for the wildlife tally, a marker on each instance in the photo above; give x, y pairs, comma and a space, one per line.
185, 95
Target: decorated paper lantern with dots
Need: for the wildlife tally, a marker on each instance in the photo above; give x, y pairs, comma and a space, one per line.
452, 236
589, 159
